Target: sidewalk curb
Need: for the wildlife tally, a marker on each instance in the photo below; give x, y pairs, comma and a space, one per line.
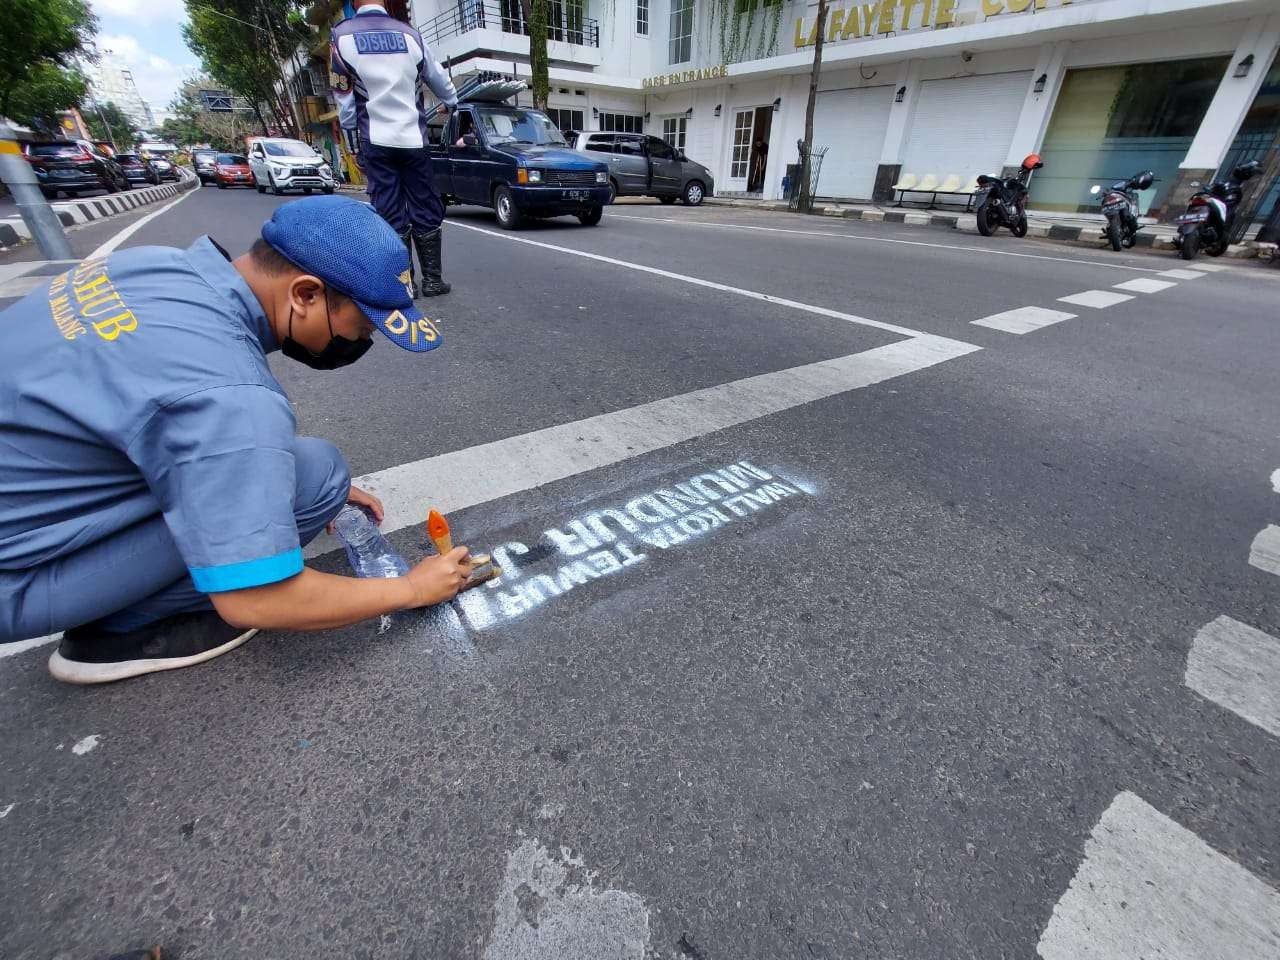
1088, 236
75, 212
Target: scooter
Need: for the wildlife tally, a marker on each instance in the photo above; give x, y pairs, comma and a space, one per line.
1003, 202
1120, 206
1211, 213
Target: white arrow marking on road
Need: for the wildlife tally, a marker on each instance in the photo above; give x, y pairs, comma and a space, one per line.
1237, 667
1149, 887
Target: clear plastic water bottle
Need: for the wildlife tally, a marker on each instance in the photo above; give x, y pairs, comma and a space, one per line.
367, 549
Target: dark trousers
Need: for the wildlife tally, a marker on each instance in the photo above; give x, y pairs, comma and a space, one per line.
401, 187
137, 576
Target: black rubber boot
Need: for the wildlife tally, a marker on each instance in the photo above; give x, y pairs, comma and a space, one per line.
407, 239
428, 245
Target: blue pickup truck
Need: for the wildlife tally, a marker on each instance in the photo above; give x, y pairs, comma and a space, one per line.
514, 160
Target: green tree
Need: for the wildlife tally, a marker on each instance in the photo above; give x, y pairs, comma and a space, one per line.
535, 18
193, 123
108, 122
38, 34
48, 90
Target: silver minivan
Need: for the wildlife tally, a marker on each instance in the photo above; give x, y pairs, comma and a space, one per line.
644, 166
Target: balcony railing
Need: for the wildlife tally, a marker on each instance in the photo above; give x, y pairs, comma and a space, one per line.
565, 21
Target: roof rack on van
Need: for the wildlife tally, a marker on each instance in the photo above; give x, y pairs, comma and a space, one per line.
487, 86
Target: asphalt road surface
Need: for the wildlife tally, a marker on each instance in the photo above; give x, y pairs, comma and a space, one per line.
866, 599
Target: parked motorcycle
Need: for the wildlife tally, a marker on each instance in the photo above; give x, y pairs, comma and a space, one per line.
1120, 206
1211, 213
1003, 202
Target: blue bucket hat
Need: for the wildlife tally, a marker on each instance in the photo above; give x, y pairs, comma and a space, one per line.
353, 250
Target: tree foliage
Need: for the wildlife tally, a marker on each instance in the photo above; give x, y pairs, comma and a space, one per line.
48, 90
192, 123
106, 121
36, 35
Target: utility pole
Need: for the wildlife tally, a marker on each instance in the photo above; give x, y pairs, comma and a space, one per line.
45, 227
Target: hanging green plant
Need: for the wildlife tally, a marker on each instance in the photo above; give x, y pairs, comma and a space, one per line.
741, 25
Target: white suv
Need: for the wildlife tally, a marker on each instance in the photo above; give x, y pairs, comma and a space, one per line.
282, 164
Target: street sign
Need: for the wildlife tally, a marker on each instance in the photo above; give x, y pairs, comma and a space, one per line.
217, 101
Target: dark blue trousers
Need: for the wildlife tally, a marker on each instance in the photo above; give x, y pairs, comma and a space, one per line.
401, 187
137, 576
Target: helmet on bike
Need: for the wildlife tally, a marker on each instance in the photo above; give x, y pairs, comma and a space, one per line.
1144, 179
1247, 170
1032, 162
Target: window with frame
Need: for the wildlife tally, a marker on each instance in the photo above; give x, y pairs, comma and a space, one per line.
673, 131
642, 17
601, 144
621, 123
680, 45
566, 119
741, 145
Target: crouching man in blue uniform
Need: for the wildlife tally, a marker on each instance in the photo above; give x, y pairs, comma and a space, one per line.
154, 497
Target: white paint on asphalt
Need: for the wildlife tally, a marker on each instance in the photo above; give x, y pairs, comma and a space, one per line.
21, 286
9, 649
1210, 267
5, 812
1182, 274
1275, 481
910, 243
1264, 552
1145, 285
1097, 299
700, 282
88, 743
464, 478
1023, 319
1149, 887
1237, 667
551, 907
137, 225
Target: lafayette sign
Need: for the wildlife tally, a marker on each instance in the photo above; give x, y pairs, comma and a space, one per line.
887, 16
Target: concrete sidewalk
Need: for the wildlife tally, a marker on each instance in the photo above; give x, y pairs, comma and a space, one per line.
1082, 228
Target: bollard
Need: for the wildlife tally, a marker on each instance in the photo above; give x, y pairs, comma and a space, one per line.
45, 227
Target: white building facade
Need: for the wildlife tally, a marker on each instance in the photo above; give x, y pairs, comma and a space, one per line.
950, 88
112, 83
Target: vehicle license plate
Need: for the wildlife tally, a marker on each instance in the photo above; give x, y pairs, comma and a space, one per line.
577, 195
1194, 217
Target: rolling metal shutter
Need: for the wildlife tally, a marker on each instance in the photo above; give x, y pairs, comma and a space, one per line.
964, 125
852, 124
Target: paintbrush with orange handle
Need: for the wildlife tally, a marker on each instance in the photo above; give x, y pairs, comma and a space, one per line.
438, 531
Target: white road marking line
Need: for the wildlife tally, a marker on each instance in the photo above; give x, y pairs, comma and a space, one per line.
21, 286
490, 471
1098, 299
1237, 667
1275, 481
137, 225
1149, 887
1144, 285
21, 646
88, 743
699, 282
1023, 319
909, 243
1183, 274
1210, 267
1264, 552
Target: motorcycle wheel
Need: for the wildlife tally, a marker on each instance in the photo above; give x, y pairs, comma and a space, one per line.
988, 219
1129, 239
1019, 229
1218, 248
1113, 234
1190, 245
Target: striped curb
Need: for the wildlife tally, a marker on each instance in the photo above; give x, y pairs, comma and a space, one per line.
74, 212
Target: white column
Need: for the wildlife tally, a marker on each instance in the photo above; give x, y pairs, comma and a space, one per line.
1235, 95
1037, 108
901, 114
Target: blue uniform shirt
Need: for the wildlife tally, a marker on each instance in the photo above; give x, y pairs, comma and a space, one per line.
139, 383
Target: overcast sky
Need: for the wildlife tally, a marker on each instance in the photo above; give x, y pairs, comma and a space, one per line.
146, 35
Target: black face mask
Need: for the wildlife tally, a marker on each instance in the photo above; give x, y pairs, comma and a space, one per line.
338, 352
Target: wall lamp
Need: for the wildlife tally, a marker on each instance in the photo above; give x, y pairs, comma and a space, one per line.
718, 109
688, 114
777, 104
595, 112
1242, 68
1040, 82
646, 118
900, 95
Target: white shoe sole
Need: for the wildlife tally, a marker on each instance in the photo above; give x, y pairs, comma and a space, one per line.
75, 671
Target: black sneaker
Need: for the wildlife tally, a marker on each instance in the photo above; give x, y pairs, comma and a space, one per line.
90, 654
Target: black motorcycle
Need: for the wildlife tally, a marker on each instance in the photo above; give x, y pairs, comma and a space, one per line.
1211, 213
1002, 202
1120, 207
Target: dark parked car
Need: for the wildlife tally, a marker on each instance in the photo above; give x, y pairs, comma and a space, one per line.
232, 170
644, 166
164, 167
514, 160
138, 168
204, 161
71, 166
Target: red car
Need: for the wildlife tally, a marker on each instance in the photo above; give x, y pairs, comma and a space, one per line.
232, 170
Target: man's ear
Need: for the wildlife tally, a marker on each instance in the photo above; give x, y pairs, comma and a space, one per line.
305, 291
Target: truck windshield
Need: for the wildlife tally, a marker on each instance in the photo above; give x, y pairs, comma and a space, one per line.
512, 125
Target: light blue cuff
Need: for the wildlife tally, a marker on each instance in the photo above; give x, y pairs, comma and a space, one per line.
248, 573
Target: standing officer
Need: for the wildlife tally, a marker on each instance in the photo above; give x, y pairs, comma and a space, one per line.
379, 65
154, 499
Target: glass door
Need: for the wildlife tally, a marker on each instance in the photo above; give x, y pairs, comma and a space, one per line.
740, 155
